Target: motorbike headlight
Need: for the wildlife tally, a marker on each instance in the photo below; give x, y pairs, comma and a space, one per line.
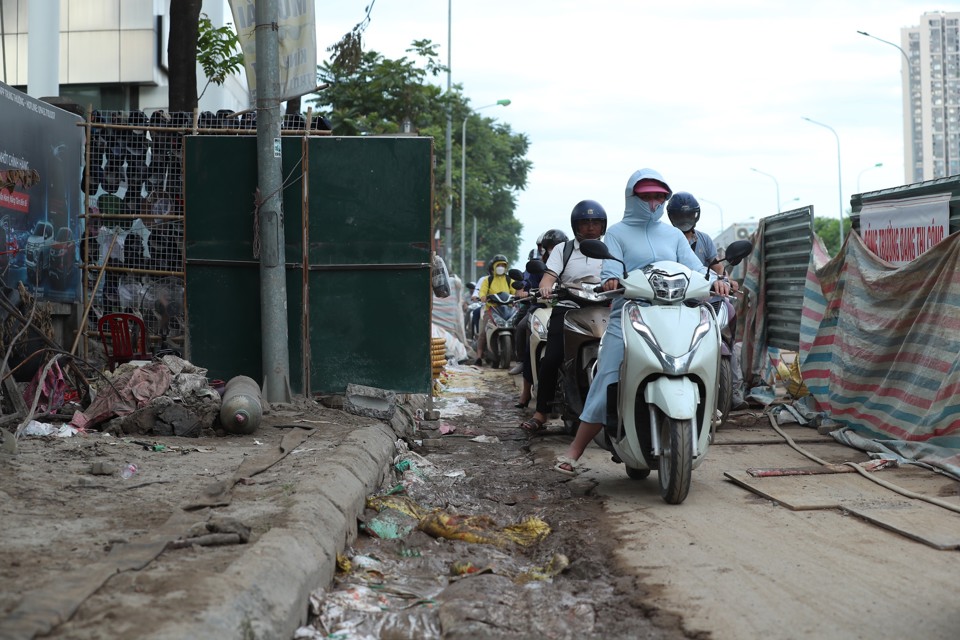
668, 287
636, 321
538, 327
499, 320
704, 328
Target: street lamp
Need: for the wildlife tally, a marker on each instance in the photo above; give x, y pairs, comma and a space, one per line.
774, 182
463, 185
722, 228
790, 200
909, 120
879, 164
448, 180
839, 179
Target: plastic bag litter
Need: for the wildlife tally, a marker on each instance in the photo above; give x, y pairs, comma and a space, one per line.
359, 612
792, 378
483, 529
555, 567
486, 439
38, 429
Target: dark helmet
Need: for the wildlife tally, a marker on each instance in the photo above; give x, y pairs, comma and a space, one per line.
552, 238
683, 210
587, 210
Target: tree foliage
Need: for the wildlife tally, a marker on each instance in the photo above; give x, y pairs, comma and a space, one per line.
371, 95
194, 39
829, 231
218, 52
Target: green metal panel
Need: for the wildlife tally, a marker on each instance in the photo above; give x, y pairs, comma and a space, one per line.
369, 228
368, 316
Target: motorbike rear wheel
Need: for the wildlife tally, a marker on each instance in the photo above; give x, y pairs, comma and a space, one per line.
725, 390
676, 457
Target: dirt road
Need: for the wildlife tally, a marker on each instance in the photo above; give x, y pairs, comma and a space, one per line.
798, 560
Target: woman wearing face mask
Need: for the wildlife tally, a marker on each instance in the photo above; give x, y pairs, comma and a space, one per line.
639, 239
498, 282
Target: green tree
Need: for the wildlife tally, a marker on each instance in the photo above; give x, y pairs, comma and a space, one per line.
369, 94
218, 52
829, 231
194, 39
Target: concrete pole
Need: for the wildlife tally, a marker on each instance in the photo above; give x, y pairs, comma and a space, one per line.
273, 284
448, 210
43, 49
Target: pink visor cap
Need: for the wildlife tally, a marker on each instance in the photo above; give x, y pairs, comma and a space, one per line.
649, 185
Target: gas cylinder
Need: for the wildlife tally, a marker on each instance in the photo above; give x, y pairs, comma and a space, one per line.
241, 409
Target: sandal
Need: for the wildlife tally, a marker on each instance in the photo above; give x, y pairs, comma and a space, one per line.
522, 405
532, 425
560, 462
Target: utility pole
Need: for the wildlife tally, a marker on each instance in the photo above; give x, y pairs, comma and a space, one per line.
273, 286
448, 210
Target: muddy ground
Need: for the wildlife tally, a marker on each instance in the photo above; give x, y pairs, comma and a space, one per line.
69, 522
70, 525
457, 589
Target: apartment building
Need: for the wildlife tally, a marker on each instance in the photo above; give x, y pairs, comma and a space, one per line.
931, 96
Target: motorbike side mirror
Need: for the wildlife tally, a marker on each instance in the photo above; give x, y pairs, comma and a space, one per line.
471, 286
536, 267
597, 249
515, 274
517, 285
737, 251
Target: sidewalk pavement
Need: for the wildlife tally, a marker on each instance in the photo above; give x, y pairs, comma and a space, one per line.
258, 590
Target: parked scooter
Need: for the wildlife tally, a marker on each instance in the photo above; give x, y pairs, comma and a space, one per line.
660, 414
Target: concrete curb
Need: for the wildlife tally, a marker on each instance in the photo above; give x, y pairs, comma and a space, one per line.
265, 595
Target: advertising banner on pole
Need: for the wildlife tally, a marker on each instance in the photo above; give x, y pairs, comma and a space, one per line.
296, 22
41, 166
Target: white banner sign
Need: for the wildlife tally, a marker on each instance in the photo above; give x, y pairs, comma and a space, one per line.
901, 231
296, 20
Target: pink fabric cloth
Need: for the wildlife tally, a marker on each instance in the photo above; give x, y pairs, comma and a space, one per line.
136, 389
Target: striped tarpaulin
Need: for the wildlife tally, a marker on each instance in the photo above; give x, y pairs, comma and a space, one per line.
882, 347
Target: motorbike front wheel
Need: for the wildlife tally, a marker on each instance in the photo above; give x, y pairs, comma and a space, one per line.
506, 349
725, 390
676, 457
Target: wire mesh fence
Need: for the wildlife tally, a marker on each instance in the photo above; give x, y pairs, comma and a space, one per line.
132, 246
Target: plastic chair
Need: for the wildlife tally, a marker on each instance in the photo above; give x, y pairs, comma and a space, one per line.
119, 339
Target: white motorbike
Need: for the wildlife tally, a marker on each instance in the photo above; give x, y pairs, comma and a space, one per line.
661, 414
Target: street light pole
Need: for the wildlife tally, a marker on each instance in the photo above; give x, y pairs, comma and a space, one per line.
790, 200
463, 185
908, 121
879, 164
774, 182
722, 228
448, 209
839, 172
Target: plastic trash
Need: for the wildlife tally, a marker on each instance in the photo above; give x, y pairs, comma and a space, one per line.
128, 471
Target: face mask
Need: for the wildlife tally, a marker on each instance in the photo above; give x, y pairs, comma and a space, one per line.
501, 270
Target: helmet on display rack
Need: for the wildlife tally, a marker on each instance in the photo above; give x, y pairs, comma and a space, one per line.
683, 210
587, 210
552, 238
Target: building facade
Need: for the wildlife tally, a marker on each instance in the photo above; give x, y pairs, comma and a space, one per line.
112, 53
931, 97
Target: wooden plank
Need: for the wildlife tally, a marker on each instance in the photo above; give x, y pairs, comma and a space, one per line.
797, 493
921, 521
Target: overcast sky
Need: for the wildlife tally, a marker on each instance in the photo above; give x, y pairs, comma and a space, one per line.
700, 90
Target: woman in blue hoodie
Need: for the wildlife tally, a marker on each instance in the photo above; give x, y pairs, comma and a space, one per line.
639, 239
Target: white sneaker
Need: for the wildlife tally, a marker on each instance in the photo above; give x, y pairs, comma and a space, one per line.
517, 368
